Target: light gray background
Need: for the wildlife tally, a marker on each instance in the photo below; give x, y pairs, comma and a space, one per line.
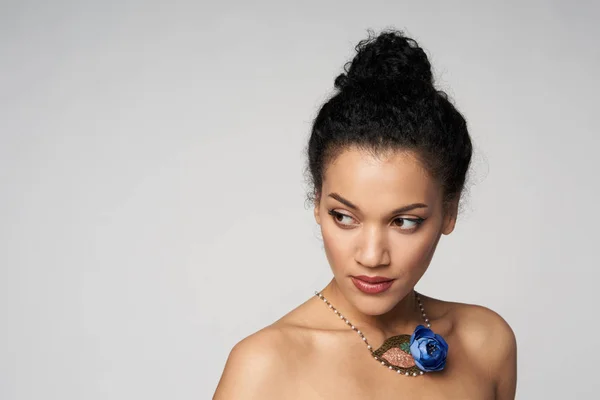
152, 206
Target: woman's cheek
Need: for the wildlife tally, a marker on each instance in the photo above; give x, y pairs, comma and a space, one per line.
415, 255
337, 249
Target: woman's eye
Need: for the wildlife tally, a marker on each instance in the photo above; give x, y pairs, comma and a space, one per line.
339, 217
409, 224
406, 224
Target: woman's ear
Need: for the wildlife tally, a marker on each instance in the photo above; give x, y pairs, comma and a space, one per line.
450, 215
317, 212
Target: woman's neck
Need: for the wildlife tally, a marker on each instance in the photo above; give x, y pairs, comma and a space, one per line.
401, 319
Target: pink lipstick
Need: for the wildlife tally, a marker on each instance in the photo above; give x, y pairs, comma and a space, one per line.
372, 284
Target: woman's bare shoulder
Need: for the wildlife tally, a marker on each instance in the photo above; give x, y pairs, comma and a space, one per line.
476, 325
258, 365
487, 339
253, 367
480, 325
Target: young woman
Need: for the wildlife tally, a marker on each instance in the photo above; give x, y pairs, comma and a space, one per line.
387, 158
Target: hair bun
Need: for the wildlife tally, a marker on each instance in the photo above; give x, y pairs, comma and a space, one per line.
389, 58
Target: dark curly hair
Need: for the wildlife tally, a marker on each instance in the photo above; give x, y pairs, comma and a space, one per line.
386, 100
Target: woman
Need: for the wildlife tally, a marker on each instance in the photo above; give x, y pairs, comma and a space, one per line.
387, 159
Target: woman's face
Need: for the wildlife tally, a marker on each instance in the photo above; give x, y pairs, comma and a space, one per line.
365, 233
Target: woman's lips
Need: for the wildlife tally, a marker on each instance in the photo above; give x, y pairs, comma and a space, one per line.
373, 279
371, 288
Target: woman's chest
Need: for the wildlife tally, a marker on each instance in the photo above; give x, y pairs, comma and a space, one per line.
350, 372
360, 387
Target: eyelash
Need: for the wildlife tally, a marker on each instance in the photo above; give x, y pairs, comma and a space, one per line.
417, 221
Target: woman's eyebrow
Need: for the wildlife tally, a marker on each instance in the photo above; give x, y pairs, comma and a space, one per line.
348, 203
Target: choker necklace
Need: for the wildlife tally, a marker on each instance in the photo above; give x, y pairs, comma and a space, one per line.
409, 355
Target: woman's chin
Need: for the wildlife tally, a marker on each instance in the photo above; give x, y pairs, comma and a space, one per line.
374, 306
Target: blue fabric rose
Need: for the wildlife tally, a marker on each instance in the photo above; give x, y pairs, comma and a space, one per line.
428, 349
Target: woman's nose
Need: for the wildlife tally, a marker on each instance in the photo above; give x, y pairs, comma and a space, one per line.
373, 248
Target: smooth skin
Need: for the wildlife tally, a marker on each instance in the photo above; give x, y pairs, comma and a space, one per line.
310, 353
